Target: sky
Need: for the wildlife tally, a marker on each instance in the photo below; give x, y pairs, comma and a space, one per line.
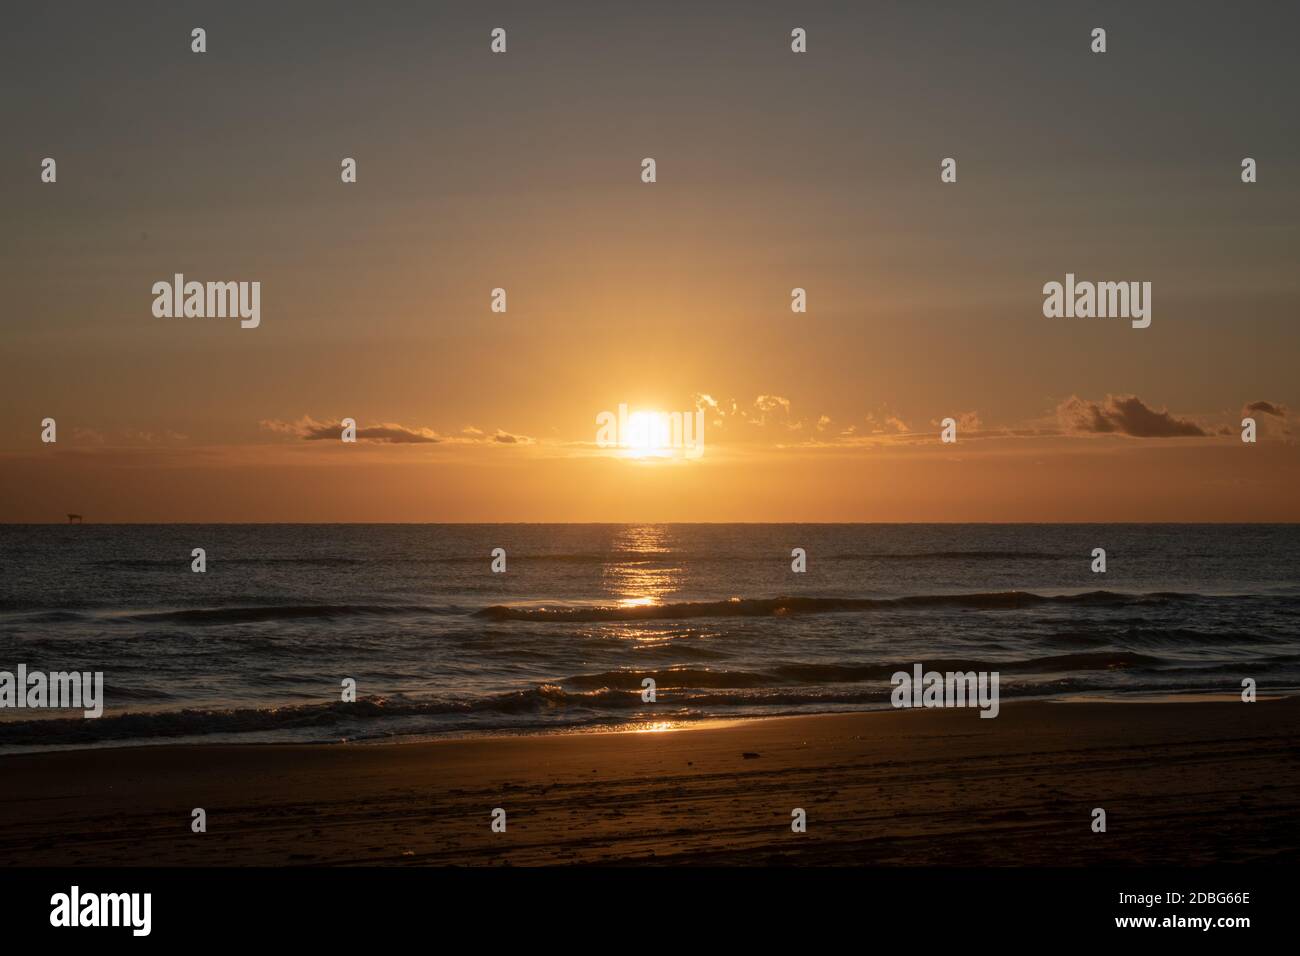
775, 170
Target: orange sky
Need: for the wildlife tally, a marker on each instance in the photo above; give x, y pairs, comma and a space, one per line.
989, 479
775, 171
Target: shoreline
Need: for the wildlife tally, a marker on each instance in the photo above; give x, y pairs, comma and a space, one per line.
1187, 783
598, 729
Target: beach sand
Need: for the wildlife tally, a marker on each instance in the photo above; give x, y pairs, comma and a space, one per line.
1182, 783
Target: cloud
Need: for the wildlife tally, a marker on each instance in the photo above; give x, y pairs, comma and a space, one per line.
767, 403
308, 429
969, 424
1123, 415
717, 412
505, 438
772, 418
772, 408
1278, 420
1268, 408
472, 435
885, 424
764, 411
392, 434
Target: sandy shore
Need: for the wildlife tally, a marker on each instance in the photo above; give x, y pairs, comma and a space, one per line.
1182, 783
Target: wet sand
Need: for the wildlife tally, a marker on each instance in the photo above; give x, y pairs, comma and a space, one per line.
1183, 783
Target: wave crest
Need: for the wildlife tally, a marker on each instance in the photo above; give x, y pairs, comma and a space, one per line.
776, 607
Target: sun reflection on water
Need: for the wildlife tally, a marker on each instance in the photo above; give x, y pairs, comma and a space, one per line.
641, 572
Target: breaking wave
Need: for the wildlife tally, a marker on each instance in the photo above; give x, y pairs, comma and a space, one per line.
774, 607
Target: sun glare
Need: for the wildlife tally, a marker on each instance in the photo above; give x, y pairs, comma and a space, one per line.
649, 435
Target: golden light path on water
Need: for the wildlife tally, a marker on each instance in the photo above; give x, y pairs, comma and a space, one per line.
642, 572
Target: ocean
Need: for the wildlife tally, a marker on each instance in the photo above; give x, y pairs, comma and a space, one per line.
256, 648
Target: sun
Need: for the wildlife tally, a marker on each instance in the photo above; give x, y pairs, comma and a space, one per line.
648, 435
